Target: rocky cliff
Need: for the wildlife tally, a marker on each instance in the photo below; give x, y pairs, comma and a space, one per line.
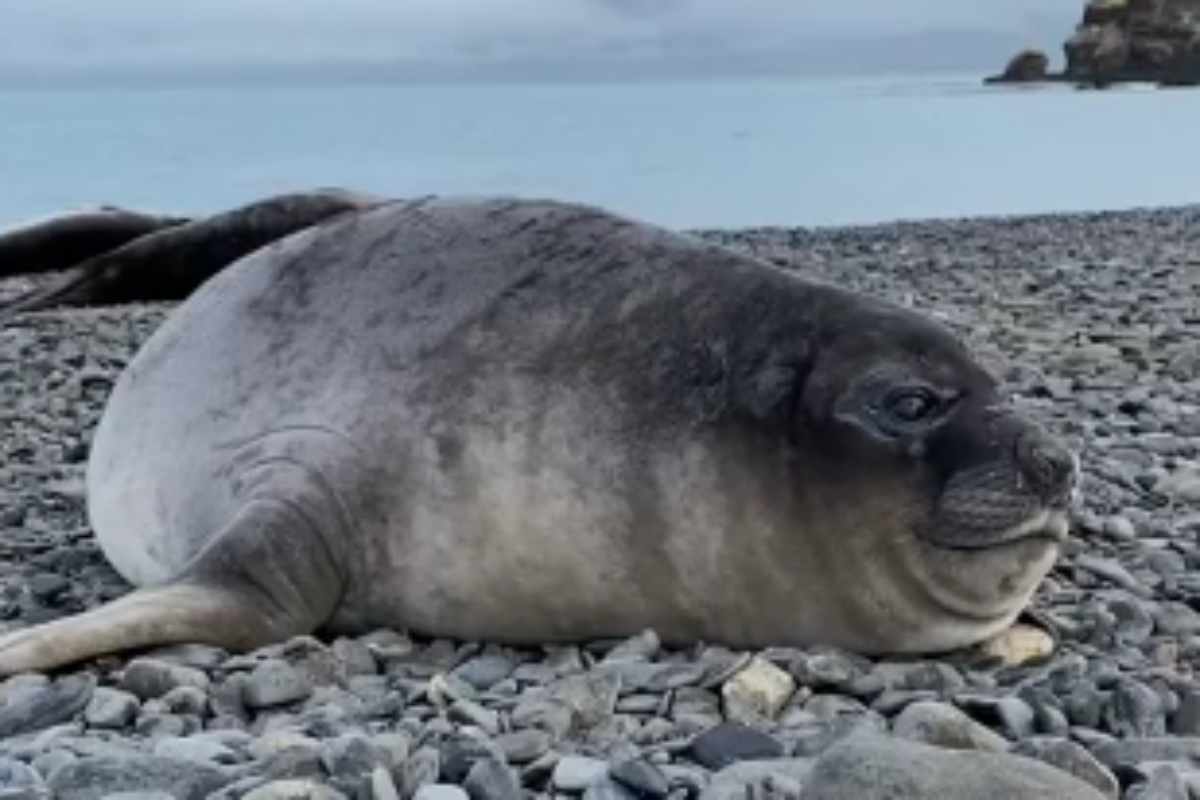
1151, 40
1128, 40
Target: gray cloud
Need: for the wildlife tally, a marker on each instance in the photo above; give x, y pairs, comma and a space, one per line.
84, 34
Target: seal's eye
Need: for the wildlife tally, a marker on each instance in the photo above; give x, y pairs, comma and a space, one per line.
911, 404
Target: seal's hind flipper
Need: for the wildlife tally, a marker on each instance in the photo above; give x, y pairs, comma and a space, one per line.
169, 264
64, 240
267, 576
172, 614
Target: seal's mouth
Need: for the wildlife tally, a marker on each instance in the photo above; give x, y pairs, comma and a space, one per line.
1048, 525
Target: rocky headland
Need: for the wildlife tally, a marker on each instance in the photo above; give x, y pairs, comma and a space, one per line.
1093, 323
1121, 41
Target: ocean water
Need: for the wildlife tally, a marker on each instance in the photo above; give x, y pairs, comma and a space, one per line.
684, 154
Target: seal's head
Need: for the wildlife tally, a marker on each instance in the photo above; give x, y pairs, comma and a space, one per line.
955, 504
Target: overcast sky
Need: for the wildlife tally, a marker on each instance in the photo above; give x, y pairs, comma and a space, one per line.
453, 35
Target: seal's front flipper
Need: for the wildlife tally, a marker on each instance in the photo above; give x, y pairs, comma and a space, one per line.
262, 580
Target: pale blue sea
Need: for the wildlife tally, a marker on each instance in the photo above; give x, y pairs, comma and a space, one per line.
685, 154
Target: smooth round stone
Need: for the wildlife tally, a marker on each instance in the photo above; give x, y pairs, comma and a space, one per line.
111, 708
485, 671
17, 775
489, 779
1073, 758
1135, 710
294, 790
275, 682
944, 725
730, 742
523, 746
1119, 527
574, 773
195, 748
646, 780
149, 678
441, 791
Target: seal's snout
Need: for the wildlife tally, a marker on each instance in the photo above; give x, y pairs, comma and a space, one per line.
1048, 464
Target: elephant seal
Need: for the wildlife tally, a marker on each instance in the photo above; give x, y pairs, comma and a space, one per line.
166, 262
529, 421
58, 242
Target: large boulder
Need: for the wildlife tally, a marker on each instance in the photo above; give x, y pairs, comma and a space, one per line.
1026, 66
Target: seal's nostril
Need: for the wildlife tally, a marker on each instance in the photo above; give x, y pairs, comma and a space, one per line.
1054, 467
1049, 465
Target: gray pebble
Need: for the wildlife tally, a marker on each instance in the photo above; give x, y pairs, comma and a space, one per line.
777, 778
186, 700
383, 786
1186, 720
16, 775
523, 746
355, 657
608, 789
730, 742
89, 778
828, 669
1073, 758
111, 708
46, 587
441, 791
944, 725
1084, 705
485, 671
46, 763
490, 779
549, 715
1011, 714
574, 773
33, 703
300, 789
640, 776
1121, 752
350, 754
857, 767
150, 678
421, 769
475, 714
1164, 783
1135, 710
153, 725
201, 748
275, 682
1134, 620
1119, 527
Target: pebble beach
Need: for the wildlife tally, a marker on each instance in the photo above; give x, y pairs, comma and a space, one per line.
1091, 321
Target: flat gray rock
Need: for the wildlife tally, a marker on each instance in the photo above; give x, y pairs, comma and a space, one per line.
275, 682
869, 766
27, 706
770, 778
1071, 757
294, 790
90, 778
111, 708
943, 725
